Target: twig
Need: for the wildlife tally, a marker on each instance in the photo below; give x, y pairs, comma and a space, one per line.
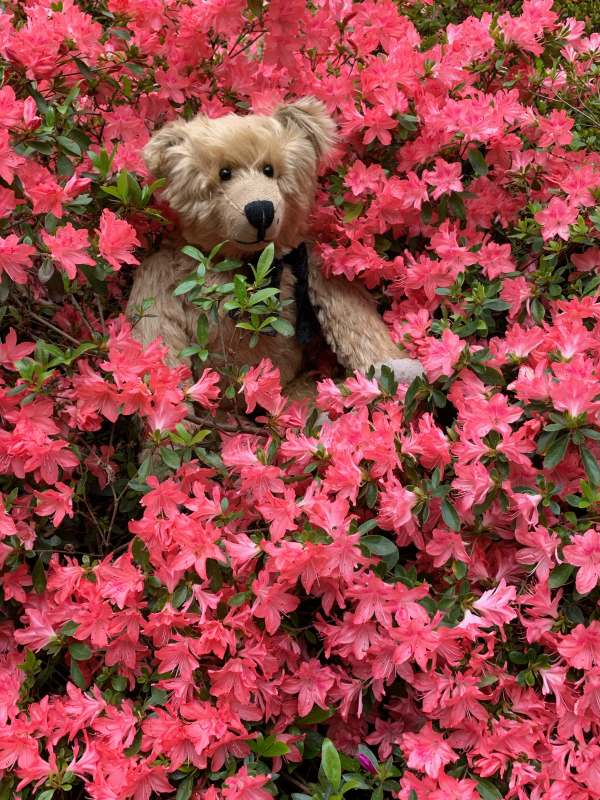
297, 783
102, 541
83, 317
228, 427
101, 314
116, 500
53, 327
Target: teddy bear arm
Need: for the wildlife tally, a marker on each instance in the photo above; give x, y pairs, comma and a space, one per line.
354, 329
166, 318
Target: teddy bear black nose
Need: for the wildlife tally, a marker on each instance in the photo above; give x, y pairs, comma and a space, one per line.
260, 214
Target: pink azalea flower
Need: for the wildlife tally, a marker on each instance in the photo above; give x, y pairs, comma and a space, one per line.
445, 178
243, 786
441, 355
311, 683
378, 125
15, 258
495, 604
556, 218
55, 503
584, 552
581, 647
117, 240
261, 386
206, 390
10, 351
68, 247
427, 751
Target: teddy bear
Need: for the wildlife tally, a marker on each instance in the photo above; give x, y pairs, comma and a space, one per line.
248, 180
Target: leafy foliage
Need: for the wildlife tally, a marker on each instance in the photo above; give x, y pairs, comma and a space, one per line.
402, 601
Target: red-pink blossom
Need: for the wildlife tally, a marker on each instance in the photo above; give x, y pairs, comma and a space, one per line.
584, 552
117, 240
68, 247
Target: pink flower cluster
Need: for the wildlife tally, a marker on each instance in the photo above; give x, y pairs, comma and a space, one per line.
420, 574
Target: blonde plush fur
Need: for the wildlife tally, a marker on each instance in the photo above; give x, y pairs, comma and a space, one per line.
190, 156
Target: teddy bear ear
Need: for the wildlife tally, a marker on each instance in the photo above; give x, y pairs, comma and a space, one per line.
311, 117
162, 148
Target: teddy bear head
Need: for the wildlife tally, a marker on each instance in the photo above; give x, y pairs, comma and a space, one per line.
247, 180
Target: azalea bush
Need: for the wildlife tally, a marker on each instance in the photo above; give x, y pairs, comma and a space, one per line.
400, 602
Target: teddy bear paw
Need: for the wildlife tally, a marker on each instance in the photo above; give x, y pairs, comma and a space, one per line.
405, 369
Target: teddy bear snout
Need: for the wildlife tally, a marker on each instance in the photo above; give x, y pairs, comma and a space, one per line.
260, 214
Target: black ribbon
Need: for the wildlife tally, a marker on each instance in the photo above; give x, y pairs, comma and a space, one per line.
307, 324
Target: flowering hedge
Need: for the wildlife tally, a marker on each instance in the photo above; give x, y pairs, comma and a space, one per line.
401, 603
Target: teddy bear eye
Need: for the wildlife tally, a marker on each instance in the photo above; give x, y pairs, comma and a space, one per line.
268, 170
225, 174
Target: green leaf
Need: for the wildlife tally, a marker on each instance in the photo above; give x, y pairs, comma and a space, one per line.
185, 788
77, 676
383, 547
316, 716
193, 252
590, 433
408, 121
497, 305
170, 458
477, 161
283, 327
488, 791
48, 794
69, 628
237, 599
517, 657
387, 381
38, 576
180, 595
459, 568
379, 545
354, 782
123, 186
202, 329
270, 747
367, 526
450, 515
216, 250
87, 73
80, 651
134, 747
264, 262
556, 452
263, 294
352, 211
576, 501
69, 145
538, 312
63, 166
158, 697
488, 374
560, 575
456, 206
140, 553
590, 464
330, 761
119, 683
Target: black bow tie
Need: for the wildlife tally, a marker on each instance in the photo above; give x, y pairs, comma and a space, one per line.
307, 324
